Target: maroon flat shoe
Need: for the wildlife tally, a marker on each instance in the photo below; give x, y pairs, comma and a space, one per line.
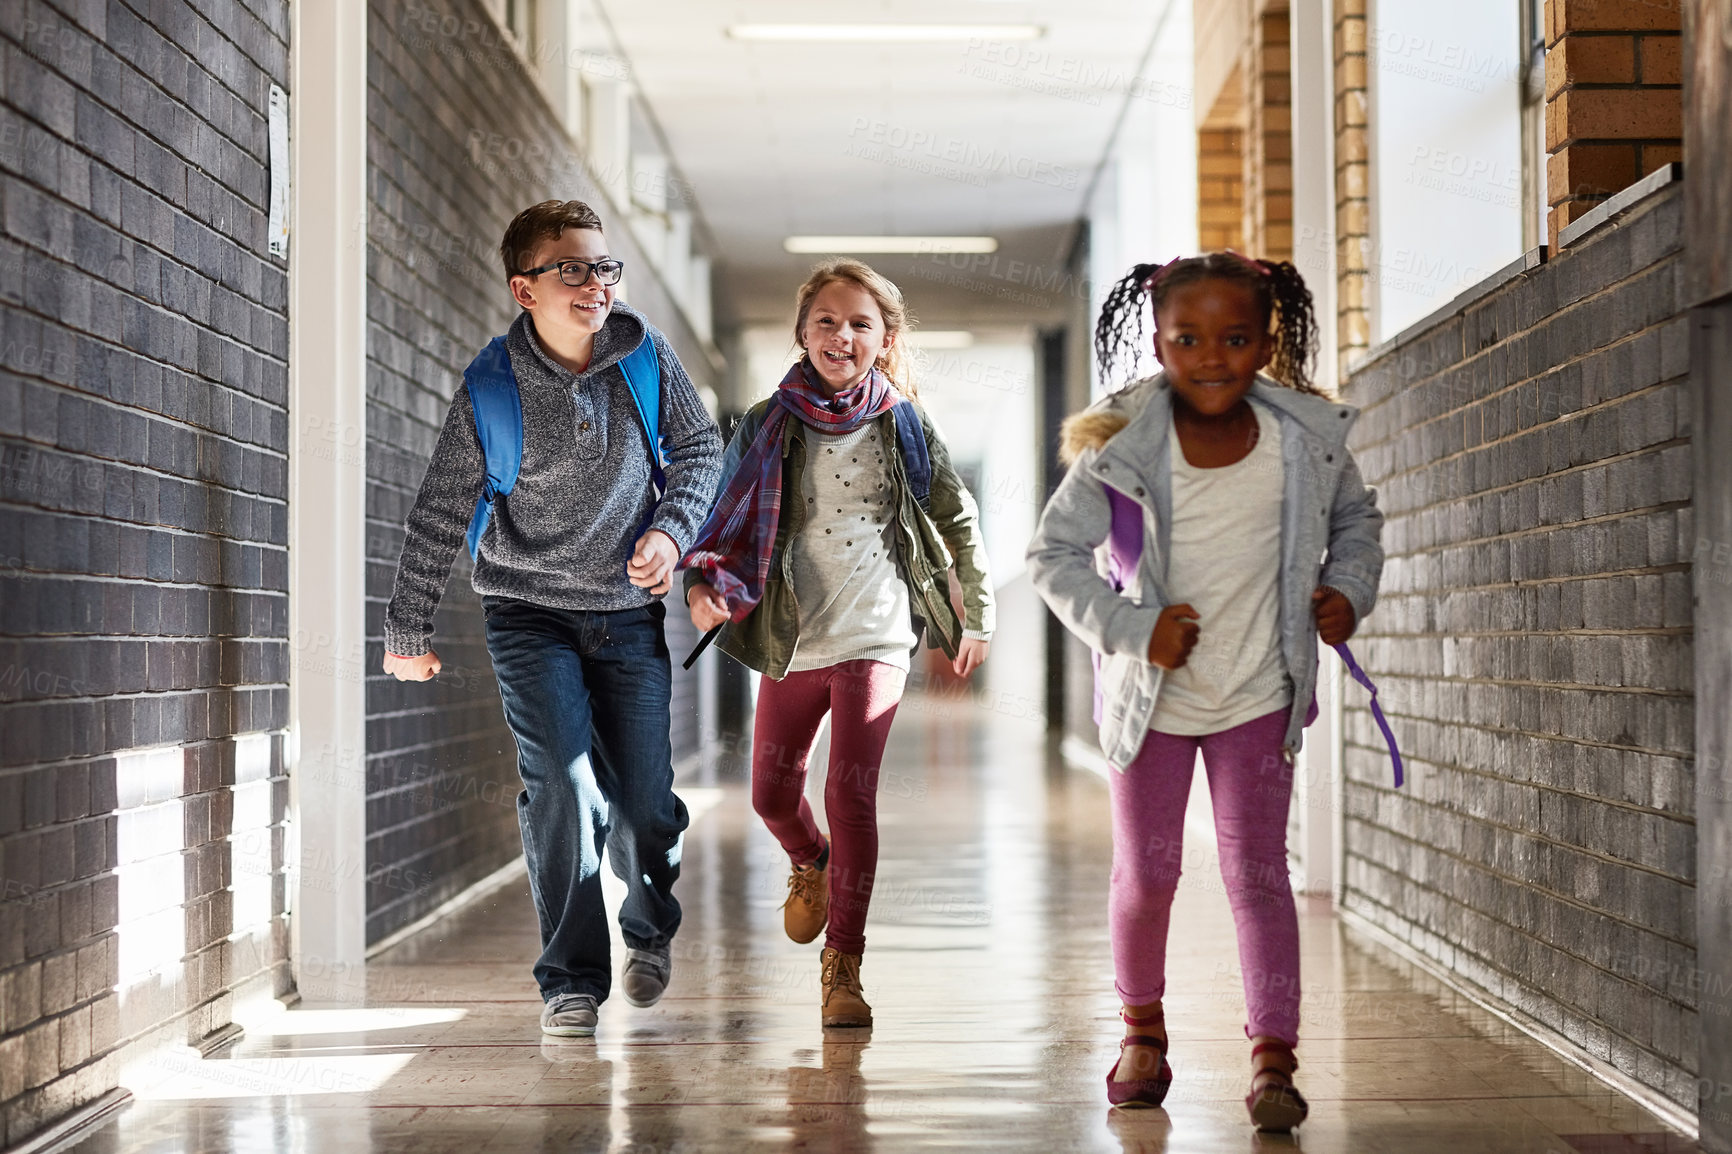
1140, 1092
1275, 1106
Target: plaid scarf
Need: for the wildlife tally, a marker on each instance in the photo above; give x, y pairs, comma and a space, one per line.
733, 547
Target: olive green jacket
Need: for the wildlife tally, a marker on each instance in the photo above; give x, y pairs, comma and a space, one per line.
927, 547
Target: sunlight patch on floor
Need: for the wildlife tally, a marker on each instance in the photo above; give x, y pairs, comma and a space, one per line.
187, 1077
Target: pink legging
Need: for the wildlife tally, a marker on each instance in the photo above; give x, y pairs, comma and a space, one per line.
1250, 785
861, 698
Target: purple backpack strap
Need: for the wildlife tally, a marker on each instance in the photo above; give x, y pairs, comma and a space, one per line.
1124, 552
1125, 540
1360, 676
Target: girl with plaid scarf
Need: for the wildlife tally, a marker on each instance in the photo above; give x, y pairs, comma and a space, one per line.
822, 567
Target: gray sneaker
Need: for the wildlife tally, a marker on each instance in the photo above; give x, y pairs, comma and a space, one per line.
569, 1016
646, 975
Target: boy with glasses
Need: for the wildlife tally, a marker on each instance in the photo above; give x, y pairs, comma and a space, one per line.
571, 562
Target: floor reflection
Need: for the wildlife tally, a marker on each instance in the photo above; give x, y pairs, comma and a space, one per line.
827, 1103
988, 969
1140, 1131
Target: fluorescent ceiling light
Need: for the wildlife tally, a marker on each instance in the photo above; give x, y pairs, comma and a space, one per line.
939, 338
914, 244
886, 33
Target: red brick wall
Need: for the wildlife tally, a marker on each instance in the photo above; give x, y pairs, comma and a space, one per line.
1614, 99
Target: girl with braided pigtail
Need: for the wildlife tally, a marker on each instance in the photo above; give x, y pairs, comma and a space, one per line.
1238, 531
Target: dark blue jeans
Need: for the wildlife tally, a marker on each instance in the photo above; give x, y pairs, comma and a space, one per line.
586, 695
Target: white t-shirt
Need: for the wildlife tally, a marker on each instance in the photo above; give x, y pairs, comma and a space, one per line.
1225, 562
853, 602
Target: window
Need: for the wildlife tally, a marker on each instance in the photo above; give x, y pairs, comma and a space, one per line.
1447, 153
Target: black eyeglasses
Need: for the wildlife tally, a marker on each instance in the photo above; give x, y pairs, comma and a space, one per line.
576, 272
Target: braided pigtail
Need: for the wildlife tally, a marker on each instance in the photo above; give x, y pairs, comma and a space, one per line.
1295, 324
1120, 328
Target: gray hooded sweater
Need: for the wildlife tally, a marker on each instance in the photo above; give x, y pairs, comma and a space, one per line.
563, 536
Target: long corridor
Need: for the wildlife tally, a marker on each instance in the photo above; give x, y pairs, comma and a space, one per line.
261, 885
989, 971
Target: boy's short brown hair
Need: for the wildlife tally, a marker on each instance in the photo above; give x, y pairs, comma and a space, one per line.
538, 224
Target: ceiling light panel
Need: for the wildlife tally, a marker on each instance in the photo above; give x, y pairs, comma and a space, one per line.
886, 33
931, 339
883, 244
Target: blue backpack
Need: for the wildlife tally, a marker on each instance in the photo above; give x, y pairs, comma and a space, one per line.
499, 420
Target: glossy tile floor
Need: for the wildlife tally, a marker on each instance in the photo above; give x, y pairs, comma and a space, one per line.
987, 965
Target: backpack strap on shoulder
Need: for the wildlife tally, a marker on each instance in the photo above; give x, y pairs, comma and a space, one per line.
642, 370
499, 425
916, 460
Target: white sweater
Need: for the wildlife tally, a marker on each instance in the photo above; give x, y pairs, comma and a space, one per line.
853, 601
1225, 562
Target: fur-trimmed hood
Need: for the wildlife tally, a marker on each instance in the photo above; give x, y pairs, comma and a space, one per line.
1101, 421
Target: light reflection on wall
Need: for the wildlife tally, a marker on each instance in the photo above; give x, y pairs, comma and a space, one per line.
253, 856
185, 950
151, 838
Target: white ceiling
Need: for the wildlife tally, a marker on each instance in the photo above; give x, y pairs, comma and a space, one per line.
770, 136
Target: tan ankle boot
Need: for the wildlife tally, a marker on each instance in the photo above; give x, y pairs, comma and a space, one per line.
807, 909
843, 1004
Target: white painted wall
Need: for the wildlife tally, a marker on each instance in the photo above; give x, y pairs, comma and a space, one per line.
768, 351
1144, 208
1316, 844
1446, 151
1165, 103
607, 112
1313, 85
327, 494
983, 401
558, 61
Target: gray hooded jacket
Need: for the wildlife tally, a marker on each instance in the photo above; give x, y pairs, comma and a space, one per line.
1122, 442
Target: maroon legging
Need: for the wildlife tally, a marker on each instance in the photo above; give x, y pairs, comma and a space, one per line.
861, 698
1250, 786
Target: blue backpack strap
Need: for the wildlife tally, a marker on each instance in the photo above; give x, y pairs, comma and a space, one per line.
642, 370
499, 424
916, 461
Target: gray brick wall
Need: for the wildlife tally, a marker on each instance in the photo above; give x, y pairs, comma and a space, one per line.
143, 618
459, 140
1533, 647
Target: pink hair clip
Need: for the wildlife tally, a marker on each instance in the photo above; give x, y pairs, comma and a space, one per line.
1150, 281
1254, 263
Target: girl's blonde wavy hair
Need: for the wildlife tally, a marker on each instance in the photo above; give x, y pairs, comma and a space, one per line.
894, 362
